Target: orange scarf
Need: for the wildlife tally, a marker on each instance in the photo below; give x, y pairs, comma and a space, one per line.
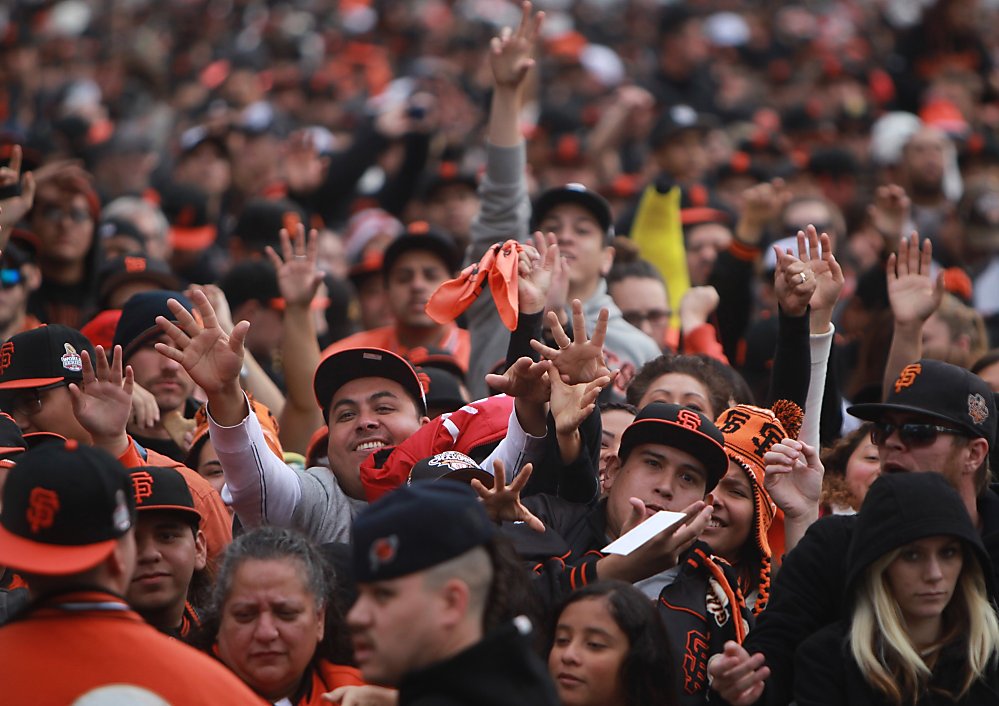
499, 266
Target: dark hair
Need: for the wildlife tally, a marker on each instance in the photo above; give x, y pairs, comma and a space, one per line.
718, 387
647, 670
834, 458
623, 269
988, 359
318, 577
613, 406
510, 593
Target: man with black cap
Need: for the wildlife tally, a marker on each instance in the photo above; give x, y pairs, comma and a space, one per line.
415, 264
19, 277
36, 369
936, 417
425, 569
370, 397
67, 524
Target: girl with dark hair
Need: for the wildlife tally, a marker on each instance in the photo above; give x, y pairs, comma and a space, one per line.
609, 648
851, 464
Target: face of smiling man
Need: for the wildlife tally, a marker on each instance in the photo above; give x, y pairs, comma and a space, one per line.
365, 415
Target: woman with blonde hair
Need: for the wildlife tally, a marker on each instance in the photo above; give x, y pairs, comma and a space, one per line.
921, 629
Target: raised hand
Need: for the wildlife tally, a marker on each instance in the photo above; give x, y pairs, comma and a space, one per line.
913, 294
297, 275
738, 676
661, 552
537, 269
793, 477
303, 166
502, 501
760, 205
210, 356
524, 380
145, 411
102, 402
890, 212
571, 404
13, 208
794, 282
216, 297
696, 305
510, 52
828, 274
580, 358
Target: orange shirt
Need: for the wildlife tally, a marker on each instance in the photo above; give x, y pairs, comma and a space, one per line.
454, 340
77, 643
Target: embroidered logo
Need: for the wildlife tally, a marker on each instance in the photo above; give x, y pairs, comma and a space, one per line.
383, 551
770, 434
6, 356
907, 376
695, 662
71, 360
688, 418
142, 482
978, 410
734, 420
424, 382
43, 504
135, 264
455, 460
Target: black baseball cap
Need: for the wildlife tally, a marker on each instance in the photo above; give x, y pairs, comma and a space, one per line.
445, 174
43, 356
138, 318
417, 527
186, 207
449, 465
261, 221
160, 488
134, 268
941, 390
120, 227
64, 508
577, 194
11, 440
338, 369
441, 388
679, 118
681, 428
420, 236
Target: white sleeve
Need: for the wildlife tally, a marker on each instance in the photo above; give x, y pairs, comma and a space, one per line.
515, 449
820, 345
264, 489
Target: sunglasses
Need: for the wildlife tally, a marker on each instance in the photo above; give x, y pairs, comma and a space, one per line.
910, 434
10, 278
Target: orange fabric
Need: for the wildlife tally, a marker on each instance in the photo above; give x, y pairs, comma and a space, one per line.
454, 340
499, 267
327, 677
704, 340
216, 522
109, 644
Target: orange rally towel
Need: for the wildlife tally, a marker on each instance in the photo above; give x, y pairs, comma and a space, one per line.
499, 266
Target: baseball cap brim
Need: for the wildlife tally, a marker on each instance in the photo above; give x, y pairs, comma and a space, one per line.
25, 383
192, 238
874, 411
590, 200
170, 508
50, 559
438, 245
353, 363
34, 439
162, 280
667, 433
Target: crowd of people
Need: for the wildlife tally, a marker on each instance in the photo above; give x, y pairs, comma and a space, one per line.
351, 351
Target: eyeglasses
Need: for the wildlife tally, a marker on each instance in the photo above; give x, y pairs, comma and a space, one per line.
911, 434
54, 214
26, 402
10, 278
653, 316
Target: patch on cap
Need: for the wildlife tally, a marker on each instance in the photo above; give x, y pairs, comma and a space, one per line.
383, 551
683, 115
142, 483
43, 506
6, 355
71, 360
121, 518
454, 460
908, 376
978, 410
689, 419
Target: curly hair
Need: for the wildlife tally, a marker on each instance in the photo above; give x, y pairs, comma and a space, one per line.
718, 387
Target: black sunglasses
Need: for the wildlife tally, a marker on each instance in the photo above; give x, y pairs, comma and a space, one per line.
911, 434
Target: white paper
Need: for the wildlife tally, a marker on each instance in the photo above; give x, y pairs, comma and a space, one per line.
629, 542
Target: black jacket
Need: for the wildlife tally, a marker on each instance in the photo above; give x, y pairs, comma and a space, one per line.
810, 591
827, 675
501, 670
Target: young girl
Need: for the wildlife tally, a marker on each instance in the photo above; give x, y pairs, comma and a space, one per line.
921, 629
609, 649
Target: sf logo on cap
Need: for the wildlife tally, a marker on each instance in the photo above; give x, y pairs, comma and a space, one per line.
907, 376
143, 484
6, 355
43, 504
688, 418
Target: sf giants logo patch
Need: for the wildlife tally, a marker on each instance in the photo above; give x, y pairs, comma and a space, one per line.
770, 434
978, 410
6, 356
383, 551
43, 504
734, 421
695, 662
907, 376
688, 418
142, 483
